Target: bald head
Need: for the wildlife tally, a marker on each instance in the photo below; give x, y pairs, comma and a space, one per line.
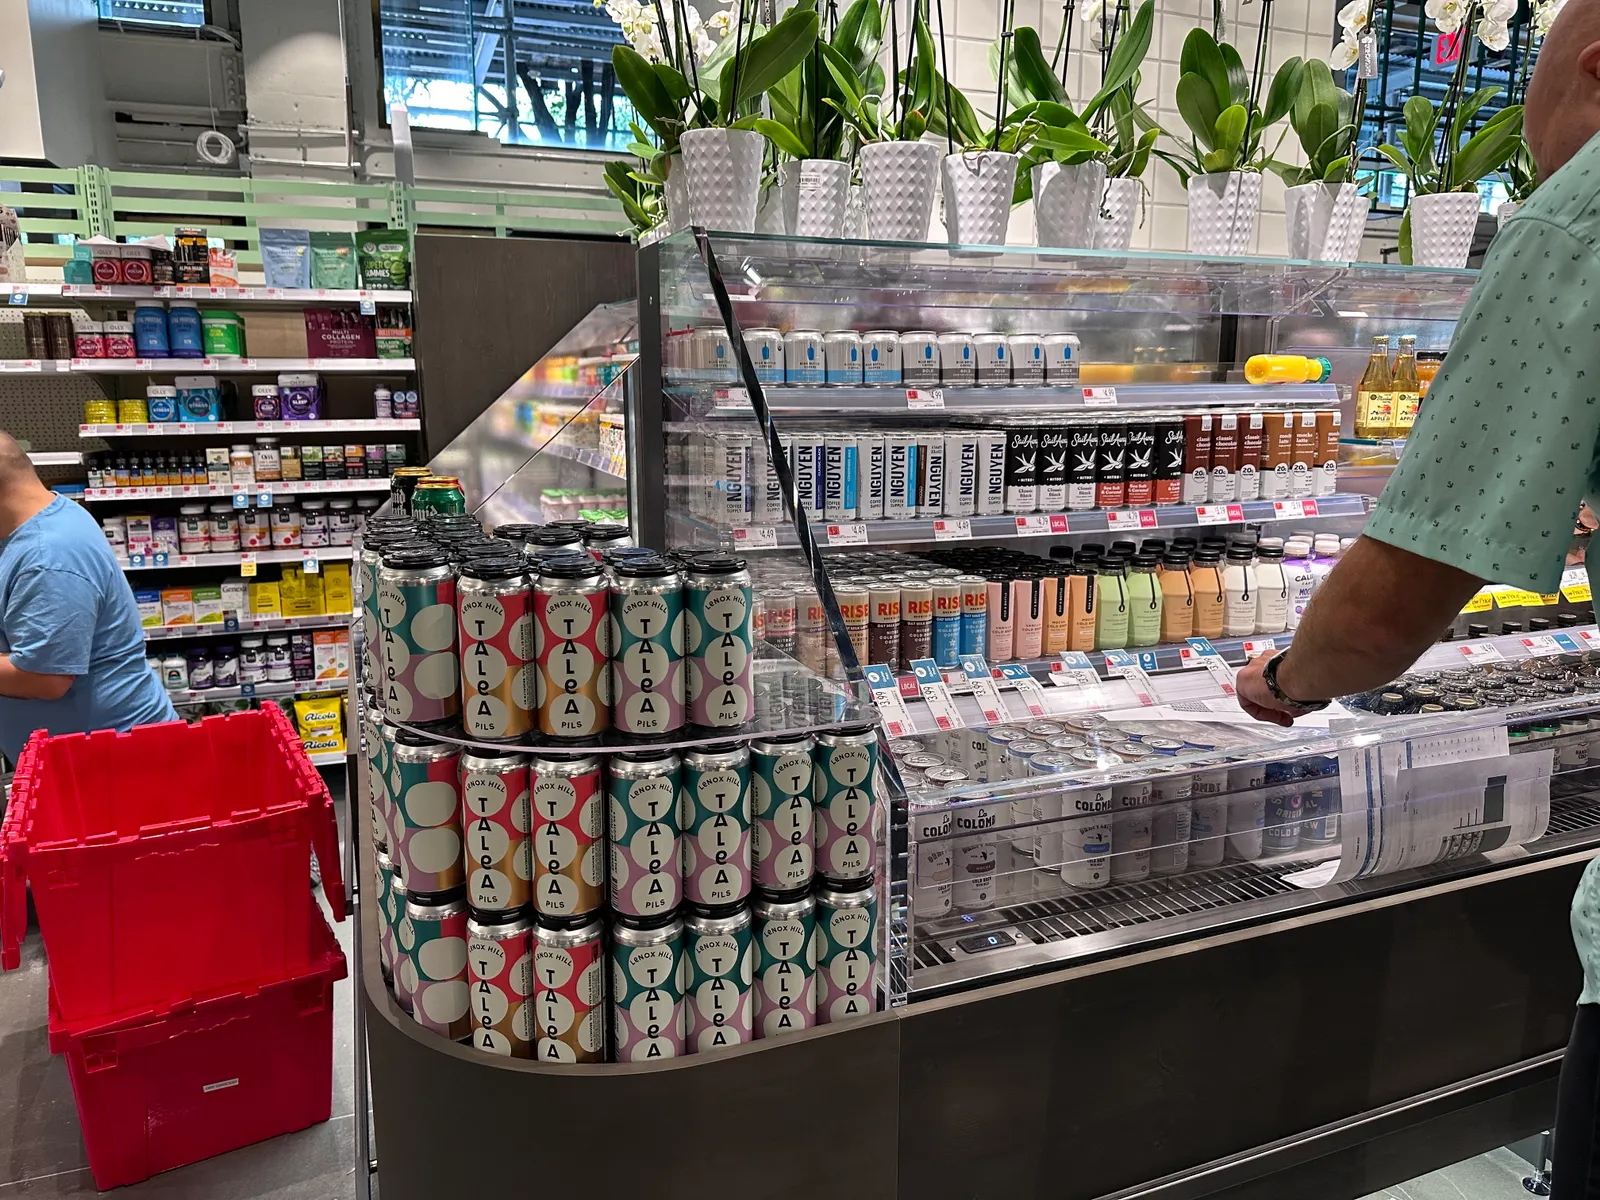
14, 465
1563, 101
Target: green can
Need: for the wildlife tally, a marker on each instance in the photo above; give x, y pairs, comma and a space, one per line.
714, 813
718, 957
784, 831
847, 952
845, 769
438, 494
642, 805
647, 978
786, 965
719, 610
425, 781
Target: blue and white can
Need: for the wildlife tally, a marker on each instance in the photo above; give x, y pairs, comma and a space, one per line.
766, 353
880, 357
842, 357
1027, 359
803, 357
919, 358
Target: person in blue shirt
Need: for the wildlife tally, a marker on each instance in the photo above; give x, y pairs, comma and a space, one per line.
71, 646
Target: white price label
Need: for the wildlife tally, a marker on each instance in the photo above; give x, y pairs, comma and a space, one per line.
981, 680
886, 695
1217, 514
1189, 658
1027, 687
1541, 644
1258, 646
1100, 397
1032, 525
309, 563
936, 695
1077, 671
924, 397
1284, 509
757, 537
957, 530
1213, 662
734, 397
1119, 520
1120, 662
247, 564
20, 365
847, 535
1480, 652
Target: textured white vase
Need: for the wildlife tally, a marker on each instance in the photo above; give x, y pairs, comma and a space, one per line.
1504, 212
816, 194
769, 209
1442, 227
1222, 212
1066, 204
897, 183
1119, 206
1319, 218
855, 213
724, 170
977, 196
677, 196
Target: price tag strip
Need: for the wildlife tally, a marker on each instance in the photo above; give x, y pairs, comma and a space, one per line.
981, 680
1480, 652
1027, 687
1120, 662
1213, 662
936, 695
925, 398
1100, 397
757, 537
886, 695
952, 530
847, 535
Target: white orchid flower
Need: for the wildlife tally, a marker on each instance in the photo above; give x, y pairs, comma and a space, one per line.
1446, 14
1494, 34
721, 24
1345, 53
1353, 16
1544, 16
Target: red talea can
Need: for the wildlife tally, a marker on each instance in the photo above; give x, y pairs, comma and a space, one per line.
496, 824
569, 849
569, 993
572, 631
500, 984
499, 683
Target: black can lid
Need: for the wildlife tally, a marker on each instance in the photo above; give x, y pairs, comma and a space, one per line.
609, 531
441, 521
1511, 627
1538, 624
645, 566
714, 562
578, 523
555, 535
621, 554
516, 531
1567, 620
569, 566
1477, 631
415, 554
500, 565
1123, 546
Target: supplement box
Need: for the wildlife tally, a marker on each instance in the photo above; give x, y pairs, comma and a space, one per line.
207, 604
235, 596
199, 398
219, 467
140, 533
300, 397
149, 602
177, 606
300, 594
336, 597
264, 600
339, 333
332, 649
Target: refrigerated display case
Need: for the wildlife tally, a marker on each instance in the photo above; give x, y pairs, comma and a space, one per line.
1164, 951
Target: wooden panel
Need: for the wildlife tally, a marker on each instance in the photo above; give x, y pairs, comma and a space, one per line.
1089, 1082
488, 308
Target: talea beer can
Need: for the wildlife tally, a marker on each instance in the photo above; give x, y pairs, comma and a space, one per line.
496, 819
572, 647
786, 965
847, 952
378, 750
425, 781
569, 849
499, 682
647, 978
720, 603
714, 813
785, 820
844, 769
437, 946
374, 539
500, 984
647, 672
417, 613
646, 858
384, 875
718, 959
569, 992
402, 939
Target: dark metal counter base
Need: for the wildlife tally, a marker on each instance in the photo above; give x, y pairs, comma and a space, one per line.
1072, 1085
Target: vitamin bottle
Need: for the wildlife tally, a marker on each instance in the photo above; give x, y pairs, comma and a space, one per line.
1272, 591
1374, 394
1111, 620
1407, 388
1238, 585
1205, 578
1144, 601
1177, 598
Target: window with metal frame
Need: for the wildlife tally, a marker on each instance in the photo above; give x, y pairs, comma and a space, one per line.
180, 14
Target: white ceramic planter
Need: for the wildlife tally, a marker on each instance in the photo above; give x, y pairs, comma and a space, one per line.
724, 170
1119, 206
855, 214
1442, 226
1322, 220
1506, 210
897, 184
769, 209
977, 196
815, 193
676, 193
1222, 212
1066, 204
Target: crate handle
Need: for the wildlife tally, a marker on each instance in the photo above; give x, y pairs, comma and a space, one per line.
325, 840
13, 904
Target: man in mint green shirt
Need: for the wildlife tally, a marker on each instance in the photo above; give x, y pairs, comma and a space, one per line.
1505, 449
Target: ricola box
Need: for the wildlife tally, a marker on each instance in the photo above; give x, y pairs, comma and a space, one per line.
339, 333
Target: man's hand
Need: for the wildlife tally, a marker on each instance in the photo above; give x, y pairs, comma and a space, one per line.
1257, 699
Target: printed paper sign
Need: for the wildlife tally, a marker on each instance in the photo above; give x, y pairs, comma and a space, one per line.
981, 680
936, 695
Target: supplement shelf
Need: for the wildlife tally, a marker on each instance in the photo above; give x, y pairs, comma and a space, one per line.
808, 399
224, 366
260, 691
203, 428
264, 296
238, 558
167, 633
327, 758
920, 530
199, 491
65, 458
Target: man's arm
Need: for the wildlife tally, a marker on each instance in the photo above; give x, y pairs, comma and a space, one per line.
1378, 610
50, 617
18, 684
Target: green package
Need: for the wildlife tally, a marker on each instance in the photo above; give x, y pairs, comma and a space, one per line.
385, 256
333, 260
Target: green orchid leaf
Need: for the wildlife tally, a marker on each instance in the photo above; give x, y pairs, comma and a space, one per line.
1488, 150
1238, 78
768, 58
1125, 59
1197, 104
1285, 86
1468, 108
651, 100
860, 35
1032, 69
924, 70
1230, 135
1400, 159
1201, 56
1405, 237
781, 136
1336, 169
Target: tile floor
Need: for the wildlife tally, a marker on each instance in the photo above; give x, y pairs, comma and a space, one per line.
1497, 1175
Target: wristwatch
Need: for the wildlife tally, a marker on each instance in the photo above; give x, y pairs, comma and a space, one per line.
1269, 675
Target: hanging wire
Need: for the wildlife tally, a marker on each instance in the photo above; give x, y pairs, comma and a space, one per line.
1008, 14
894, 73
1063, 53
944, 55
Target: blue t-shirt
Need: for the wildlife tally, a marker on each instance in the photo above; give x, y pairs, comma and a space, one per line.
66, 609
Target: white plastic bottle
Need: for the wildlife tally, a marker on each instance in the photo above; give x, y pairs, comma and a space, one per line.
1325, 553
1239, 591
1272, 591
1297, 572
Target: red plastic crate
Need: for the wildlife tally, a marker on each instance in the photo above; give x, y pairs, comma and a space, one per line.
168, 863
236, 1069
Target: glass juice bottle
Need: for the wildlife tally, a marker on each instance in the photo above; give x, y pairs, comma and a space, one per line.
1374, 398
1406, 388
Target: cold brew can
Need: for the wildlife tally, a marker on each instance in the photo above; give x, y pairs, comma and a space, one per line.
1284, 807
499, 682
1022, 470
1054, 451
496, 822
646, 857
900, 476
842, 352
1027, 359
804, 359
1062, 355
417, 616
714, 814
1208, 827
647, 978
975, 855
572, 646
993, 359
718, 966
844, 775
933, 872
946, 623
1086, 837
1322, 803
871, 476
648, 679
781, 806
569, 992
880, 358
841, 477
847, 952
919, 359
991, 473
435, 934
1130, 831
766, 354
425, 781
500, 983
1170, 796
1111, 467
719, 604
958, 361
785, 940
960, 475
974, 613
569, 847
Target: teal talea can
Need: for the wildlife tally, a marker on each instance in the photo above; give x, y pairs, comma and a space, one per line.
642, 806
786, 965
783, 815
647, 980
847, 952
719, 965
719, 610
845, 768
714, 812
438, 950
